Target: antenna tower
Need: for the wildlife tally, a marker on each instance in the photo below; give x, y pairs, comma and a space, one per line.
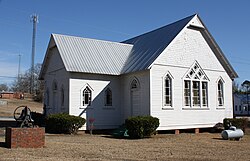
34, 20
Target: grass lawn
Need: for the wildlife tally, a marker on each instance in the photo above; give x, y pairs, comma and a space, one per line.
185, 146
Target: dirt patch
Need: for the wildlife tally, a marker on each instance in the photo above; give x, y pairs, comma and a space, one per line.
190, 147
7, 110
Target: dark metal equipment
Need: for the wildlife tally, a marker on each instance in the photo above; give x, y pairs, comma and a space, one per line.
22, 115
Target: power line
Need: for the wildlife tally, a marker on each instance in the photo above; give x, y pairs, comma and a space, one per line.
3, 76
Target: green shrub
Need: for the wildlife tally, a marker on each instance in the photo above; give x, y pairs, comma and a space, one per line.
63, 123
141, 126
39, 119
237, 122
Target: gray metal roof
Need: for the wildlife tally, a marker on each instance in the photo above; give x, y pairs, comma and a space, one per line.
113, 58
149, 46
92, 56
105, 57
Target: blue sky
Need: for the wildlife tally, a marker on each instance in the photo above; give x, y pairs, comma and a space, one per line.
114, 20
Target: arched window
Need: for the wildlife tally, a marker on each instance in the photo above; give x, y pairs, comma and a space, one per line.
86, 94
108, 97
47, 98
54, 86
134, 84
196, 87
62, 96
220, 93
54, 96
167, 91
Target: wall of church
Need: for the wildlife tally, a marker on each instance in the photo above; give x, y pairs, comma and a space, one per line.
106, 117
56, 75
186, 49
141, 104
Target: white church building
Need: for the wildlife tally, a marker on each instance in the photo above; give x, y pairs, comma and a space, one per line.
176, 73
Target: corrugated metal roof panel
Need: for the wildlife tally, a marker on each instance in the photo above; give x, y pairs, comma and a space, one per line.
149, 46
104, 57
92, 56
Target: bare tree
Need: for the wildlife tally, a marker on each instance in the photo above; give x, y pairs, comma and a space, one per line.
4, 87
236, 87
23, 83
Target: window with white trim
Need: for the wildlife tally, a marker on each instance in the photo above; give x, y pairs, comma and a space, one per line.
204, 94
108, 97
220, 93
86, 95
195, 87
187, 93
196, 93
167, 91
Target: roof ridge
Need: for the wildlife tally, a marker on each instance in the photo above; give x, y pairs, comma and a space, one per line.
92, 39
159, 28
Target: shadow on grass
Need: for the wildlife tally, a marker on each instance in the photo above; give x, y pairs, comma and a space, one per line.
218, 139
116, 137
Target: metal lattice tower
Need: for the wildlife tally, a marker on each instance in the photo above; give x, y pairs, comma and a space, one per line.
34, 20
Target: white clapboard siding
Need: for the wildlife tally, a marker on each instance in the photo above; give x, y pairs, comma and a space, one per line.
187, 48
143, 91
55, 72
106, 117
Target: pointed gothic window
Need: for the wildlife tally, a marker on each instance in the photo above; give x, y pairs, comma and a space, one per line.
220, 93
134, 84
196, 87
168, 91
86, 94
108, 97
62, 96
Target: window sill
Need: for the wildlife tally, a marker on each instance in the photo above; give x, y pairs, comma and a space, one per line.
195, 108
220, 108
167, 108
85, 107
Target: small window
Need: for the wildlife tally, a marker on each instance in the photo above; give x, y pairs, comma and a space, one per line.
108, 97
86, 94
54, 86
62, 97
168, 91
134, 84
220, 93
240, 108
236, 108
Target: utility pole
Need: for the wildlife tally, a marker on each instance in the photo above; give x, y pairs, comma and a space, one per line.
34, 20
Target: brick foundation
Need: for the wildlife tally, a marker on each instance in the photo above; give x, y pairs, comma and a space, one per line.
177, 132
197, 131
25, 137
